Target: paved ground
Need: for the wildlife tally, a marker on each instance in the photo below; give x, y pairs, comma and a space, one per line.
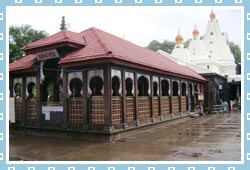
206, 138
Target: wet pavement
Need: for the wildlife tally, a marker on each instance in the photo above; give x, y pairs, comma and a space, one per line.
206, 138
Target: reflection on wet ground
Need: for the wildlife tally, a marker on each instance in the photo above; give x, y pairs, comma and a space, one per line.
206, 138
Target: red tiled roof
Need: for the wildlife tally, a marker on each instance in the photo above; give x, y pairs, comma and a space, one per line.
23, 64
60, 37
100, 44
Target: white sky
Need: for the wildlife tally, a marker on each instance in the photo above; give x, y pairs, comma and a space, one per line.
139, 25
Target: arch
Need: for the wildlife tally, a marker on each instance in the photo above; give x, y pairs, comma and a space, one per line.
183, 89
129, 86
31, 88
75, 86
50, 68
143, 85
115, 85
165, 87
96, 85
175, 88
18, 89
155, 88
50, 86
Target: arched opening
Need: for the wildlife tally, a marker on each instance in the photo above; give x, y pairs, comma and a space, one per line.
31, 89
175, 88
165, 88
129, 86
96, 85
50, 86
115, 85
183, 89
155, 88
75, 86
50, 92
18, 89
143, 86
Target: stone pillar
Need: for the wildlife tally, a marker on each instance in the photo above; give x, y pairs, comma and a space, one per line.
124, 121
107, 99
38, 99
160, 95
151, 99
65, 99
136, 99
179, 96
24, 102
85, 102
170, 96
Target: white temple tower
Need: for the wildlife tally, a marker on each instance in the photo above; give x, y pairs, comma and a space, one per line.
180, 52
198, 52
221, 59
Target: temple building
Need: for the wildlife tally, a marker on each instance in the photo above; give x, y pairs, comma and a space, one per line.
95, 82
214, 61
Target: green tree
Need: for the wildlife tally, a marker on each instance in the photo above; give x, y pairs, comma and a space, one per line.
166, 46
20, 36
154, 45
235, 49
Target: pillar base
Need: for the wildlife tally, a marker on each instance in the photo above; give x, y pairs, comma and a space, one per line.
85, 127
65, 125
181, 114
137, 123
108, 129
125, 125
161, 118
172, 115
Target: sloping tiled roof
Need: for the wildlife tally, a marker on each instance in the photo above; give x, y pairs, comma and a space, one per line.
100, 44
24, 63
60, 37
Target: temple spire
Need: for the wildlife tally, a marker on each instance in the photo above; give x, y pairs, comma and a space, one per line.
63, 24
212, 15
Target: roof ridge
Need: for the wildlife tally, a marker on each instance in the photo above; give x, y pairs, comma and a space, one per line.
65, 31
100, 40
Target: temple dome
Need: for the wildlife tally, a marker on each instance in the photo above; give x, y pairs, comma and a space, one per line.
196, 33
179, 38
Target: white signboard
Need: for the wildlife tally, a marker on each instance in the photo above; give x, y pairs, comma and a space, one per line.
47, 55
47, 109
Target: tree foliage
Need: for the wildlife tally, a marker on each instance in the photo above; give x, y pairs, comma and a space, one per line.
166, 46
235, 49
19, 37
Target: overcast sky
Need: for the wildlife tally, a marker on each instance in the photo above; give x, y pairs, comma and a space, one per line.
139, 25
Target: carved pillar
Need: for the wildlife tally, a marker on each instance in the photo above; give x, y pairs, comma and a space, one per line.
124, 121
65, 100
38, 99
85, 100
107, 99
24, 102
136, 99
